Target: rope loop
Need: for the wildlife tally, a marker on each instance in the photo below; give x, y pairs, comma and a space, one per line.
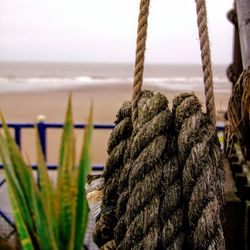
140, 55
206, 59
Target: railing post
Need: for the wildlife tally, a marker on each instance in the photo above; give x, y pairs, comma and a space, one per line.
42, 134
18, 136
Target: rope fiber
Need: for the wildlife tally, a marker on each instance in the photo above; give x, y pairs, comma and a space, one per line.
206, 58
140, 55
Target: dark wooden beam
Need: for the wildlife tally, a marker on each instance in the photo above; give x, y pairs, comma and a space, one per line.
243, 13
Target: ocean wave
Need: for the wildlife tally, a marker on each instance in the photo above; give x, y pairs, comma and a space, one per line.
51, 83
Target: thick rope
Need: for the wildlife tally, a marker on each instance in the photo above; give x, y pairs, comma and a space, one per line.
123, 187
153, 217
239, 114
206, 59
171, 209
140, 55
103, 233
202, 177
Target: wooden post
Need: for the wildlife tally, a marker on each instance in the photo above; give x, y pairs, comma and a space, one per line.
243, 13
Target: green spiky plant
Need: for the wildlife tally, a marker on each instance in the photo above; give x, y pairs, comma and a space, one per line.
49, 217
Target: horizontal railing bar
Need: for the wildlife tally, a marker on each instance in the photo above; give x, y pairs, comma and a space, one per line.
60, 125
96, 167
19, 125
76, 125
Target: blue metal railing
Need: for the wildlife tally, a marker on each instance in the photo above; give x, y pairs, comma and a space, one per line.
42, 129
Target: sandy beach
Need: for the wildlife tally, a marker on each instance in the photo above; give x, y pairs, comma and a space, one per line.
25, 107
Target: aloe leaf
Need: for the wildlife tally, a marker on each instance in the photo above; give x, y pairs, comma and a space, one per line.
65, 178
13, 181
46, 188
44, 229
22, 172
67, 138
65, 208
67, 132
73, 199
73, 205
83, 171
24, 235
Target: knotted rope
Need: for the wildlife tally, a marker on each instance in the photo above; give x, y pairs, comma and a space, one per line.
123, 187
171, 214
150, 154
206, 58
239, 114
103, 234
203, 175
140, 55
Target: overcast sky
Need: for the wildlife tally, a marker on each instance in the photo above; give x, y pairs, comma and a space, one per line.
105, 31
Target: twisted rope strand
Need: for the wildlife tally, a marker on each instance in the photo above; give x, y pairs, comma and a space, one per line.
140, 55
103, 234
202, 175
206, 58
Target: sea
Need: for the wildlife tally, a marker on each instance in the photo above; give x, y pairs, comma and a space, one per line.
28, 77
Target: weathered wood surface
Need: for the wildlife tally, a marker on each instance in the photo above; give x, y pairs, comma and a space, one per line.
243, 13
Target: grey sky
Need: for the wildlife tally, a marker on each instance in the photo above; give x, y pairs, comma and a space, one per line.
105, 30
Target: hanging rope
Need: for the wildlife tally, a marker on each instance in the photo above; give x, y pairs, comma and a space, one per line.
206, 58
150, 152
103, 233
140, 52
239, 114
123, 189
203, 175
171, 214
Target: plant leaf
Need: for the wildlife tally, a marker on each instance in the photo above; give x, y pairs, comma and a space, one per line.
22, 172
44, 229
65, 174
84, 169
46, 188
21, 226
14, 182
65, 208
